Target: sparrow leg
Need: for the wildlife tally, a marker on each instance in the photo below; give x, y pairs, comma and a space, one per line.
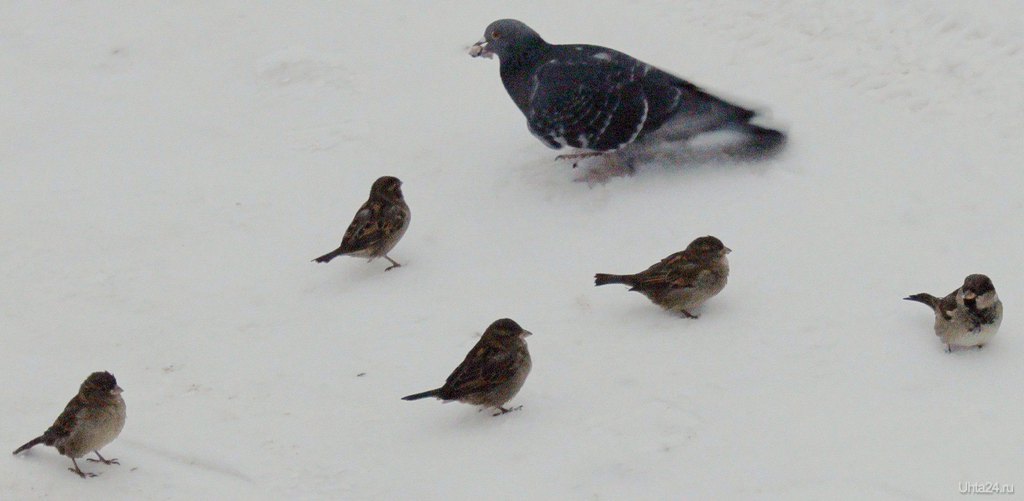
949, 348
687, 314
79, 471
394, 264
502, 410
102, 459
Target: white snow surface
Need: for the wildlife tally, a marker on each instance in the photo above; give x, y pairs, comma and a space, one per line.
169, 169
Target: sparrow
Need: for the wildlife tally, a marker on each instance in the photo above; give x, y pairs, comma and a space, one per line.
493, 371
91, 420
682, 281
377, 226
600, 100
968, 316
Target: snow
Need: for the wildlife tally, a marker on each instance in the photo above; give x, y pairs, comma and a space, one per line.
168, 171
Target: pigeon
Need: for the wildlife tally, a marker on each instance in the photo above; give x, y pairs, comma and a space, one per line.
682, 281
968, 316
600, 100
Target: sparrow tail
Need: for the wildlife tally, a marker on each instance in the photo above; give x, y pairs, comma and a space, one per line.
326, 258
31, 443
431, 393
925, 298
604, 279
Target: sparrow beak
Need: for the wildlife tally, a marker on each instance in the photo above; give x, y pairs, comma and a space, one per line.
479, 49
116, 391
969, 295
525, 333
728, 250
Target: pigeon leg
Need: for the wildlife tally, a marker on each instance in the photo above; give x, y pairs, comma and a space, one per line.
394, 264
502, 410
102, 459
78, 471
576, 157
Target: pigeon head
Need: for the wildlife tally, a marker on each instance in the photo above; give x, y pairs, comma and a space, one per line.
508, 38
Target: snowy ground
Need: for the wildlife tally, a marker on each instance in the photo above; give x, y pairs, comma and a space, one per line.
167, 171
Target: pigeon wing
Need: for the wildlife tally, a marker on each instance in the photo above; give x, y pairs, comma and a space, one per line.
590, 104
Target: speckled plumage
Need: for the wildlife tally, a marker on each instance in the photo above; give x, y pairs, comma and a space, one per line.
90, 421
682, 281
967, 317
377, 226
492, 372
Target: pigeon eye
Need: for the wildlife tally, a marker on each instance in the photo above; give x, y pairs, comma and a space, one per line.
495, 34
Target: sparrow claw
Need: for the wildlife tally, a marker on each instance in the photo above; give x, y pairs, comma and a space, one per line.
502, 410
81, 473
688, 314
104, 461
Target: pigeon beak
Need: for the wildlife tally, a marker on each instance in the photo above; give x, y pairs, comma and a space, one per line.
116, 391
479, 49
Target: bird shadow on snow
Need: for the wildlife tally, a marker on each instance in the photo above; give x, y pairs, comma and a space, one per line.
354, 276
189, 461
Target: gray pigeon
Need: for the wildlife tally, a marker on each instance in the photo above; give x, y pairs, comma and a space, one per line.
600, 100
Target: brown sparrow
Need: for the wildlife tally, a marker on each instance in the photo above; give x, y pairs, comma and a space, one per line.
91, 420
493, 371
968, 316
682, 281
377, 226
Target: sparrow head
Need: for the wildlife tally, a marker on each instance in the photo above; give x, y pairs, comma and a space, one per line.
386, 187
708, 246
508, 38
978, 292
505, 329
99, 385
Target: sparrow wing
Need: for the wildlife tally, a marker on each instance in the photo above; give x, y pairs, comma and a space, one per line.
674, 272
67, 420
947, 305
487, 365
366, 228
